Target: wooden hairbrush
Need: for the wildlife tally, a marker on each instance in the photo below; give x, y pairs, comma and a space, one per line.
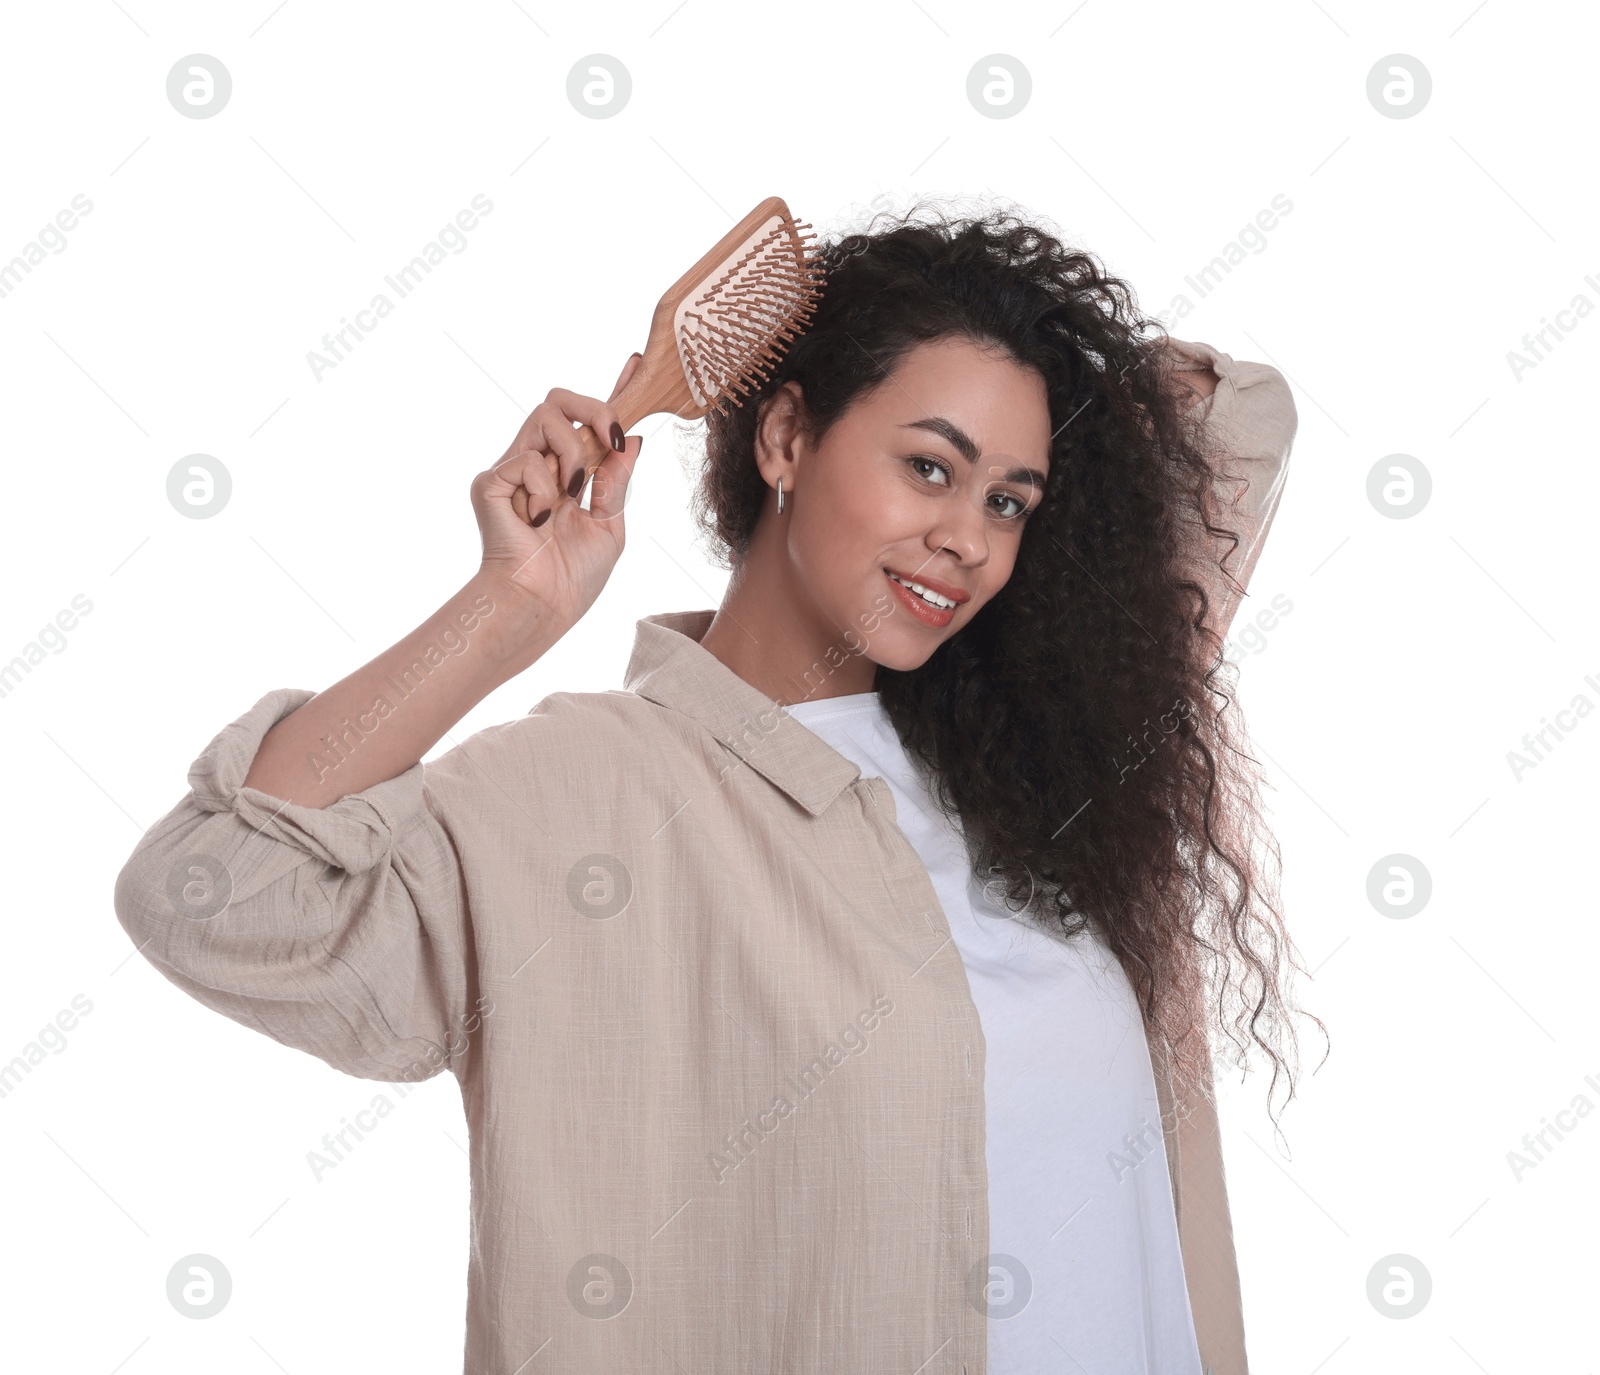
717, 328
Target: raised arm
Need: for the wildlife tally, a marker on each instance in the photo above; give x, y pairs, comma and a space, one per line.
310, 884
538, 578
1249, 420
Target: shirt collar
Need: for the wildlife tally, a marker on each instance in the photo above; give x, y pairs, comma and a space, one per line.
671, 668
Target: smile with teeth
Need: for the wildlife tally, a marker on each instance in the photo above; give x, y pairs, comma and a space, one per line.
932, 598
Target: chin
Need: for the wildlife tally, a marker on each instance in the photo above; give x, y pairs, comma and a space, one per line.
903, 653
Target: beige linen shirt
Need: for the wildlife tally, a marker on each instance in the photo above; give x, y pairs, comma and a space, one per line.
722, 1070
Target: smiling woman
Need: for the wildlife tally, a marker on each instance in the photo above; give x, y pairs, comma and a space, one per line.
979, 415
952, 750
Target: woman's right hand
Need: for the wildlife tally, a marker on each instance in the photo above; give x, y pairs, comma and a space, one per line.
537, 539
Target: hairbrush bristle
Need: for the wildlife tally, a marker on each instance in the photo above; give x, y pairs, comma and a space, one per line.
748, 312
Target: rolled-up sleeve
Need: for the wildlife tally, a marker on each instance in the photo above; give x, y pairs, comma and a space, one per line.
341, 931
1249, 426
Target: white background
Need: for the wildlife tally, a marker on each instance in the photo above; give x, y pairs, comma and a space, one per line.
1418, 652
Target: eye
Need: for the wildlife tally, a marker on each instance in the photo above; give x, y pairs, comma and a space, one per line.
1019, 506
933, 463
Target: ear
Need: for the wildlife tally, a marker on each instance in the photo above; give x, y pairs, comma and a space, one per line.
780, 432
781, 415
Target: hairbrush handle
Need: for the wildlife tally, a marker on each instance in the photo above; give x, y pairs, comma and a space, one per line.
657, 385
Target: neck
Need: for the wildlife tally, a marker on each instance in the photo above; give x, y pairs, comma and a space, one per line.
773, 637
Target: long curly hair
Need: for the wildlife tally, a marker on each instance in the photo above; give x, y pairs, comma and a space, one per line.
1081, 728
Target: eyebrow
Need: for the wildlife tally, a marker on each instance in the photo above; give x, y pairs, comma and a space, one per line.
961, 441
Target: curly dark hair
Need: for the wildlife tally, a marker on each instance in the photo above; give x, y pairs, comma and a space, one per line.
1080, 726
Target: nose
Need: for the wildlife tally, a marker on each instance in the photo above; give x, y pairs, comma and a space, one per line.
962, 528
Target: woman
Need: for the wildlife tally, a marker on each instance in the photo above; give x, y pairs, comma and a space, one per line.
809, 1044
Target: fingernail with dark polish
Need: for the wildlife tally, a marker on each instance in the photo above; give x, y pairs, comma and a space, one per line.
576, 485
540, 519
618, 442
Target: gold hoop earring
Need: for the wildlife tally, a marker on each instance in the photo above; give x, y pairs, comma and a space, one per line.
780, 496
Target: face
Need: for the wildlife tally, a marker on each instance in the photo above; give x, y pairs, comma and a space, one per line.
930, 479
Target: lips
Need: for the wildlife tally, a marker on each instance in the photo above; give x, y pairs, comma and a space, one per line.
918, 608
944, 589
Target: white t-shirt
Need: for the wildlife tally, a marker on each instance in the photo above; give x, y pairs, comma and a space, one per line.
1085, 1265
